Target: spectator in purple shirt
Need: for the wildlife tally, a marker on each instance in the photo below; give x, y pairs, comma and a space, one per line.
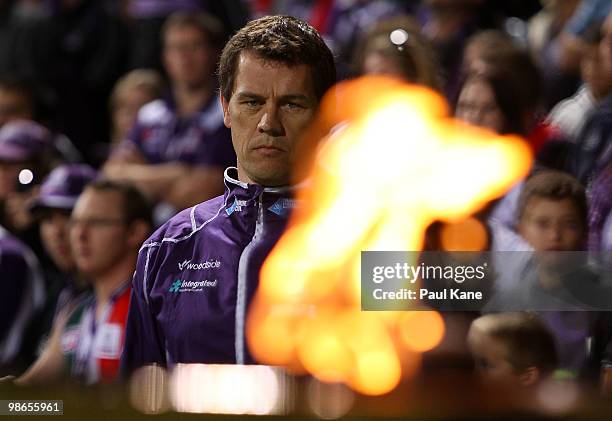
22, 297
197, 274
26, 155
51, 208
179, 147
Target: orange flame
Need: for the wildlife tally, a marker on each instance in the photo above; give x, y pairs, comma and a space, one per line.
395, 163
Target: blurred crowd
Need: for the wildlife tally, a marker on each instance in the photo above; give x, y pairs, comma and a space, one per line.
110, 123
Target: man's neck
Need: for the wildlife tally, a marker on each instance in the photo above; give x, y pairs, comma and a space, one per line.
244, 177
190, 99
107, 283
601, 96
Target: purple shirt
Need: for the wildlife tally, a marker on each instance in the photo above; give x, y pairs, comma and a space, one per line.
201, 139
196, 276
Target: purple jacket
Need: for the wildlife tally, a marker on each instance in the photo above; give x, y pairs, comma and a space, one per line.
196, 276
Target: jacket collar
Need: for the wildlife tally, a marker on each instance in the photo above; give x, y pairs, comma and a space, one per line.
239, 194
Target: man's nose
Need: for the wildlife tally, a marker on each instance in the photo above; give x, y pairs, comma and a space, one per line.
270, 122
476, 116
555, 232
60, 227
78, 232
58, 232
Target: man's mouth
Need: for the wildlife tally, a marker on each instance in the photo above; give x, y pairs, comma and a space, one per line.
269, 146
269, 150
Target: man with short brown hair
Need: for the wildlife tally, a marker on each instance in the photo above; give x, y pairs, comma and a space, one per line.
197, 274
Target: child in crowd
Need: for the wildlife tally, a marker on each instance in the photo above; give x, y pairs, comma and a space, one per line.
512, 348
552, 212
552, 218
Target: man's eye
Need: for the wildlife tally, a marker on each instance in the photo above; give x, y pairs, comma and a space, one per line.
489, 108
251, 103
294, 106
464, 106
572, 225
482, 363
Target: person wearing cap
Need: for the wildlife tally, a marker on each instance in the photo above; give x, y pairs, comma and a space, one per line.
23, 146
52, 208
109, 222
26, 154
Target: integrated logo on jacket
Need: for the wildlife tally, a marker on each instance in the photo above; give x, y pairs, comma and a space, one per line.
191, 286
176, 285
209, 264
283, 206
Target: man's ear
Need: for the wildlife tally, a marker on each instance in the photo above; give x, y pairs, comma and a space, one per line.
530, 377
226, 115
138, 232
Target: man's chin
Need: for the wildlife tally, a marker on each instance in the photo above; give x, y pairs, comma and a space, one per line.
87, 271
270, 178
64, 265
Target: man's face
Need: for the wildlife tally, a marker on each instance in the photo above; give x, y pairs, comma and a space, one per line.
98, 233
55, 236
188, 57
552, 225
271, 106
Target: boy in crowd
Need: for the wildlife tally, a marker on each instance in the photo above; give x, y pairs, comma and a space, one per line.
512, 348
552, 212
552, 218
